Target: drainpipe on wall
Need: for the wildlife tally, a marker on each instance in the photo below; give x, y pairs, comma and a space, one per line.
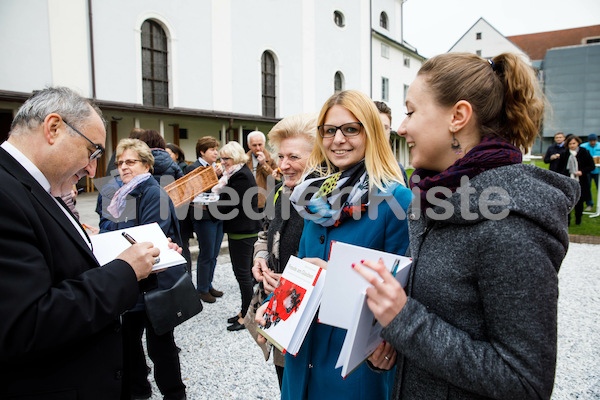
93, 69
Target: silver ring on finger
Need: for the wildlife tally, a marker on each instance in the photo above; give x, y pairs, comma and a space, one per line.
156, 260
387, 358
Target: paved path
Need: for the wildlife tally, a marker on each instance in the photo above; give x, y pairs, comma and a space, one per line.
217, 364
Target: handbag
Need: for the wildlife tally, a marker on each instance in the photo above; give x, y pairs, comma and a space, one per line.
167, 308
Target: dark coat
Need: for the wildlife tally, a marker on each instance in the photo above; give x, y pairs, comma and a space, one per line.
144, 207
239, 183
165, 166
59, 312
557, 164
481, 316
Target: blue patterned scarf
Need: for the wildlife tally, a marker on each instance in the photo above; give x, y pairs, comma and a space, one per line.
330, 200
491, 152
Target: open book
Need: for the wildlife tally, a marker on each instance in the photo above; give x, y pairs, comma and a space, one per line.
344, 285
293, 305
364, 334
107, 246
344, 302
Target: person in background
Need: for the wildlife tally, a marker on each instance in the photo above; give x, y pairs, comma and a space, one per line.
138, 202
135, 133
479, 316
260, 163
163, 163
208, 229
242, 230
385, 112
556, 153
353, 163
292, 140
594, 149
177, 155
59, 310
578, 165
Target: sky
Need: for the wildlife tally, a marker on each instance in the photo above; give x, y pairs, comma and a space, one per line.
434, 26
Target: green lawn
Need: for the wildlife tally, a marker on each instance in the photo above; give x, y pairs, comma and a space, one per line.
589, 226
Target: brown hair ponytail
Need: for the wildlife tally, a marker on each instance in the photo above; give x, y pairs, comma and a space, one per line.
503, 93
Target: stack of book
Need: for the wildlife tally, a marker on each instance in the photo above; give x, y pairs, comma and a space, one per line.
341, 294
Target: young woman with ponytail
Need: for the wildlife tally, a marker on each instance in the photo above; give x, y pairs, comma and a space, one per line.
487, 235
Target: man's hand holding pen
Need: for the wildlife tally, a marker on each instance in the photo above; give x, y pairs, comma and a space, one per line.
140, 256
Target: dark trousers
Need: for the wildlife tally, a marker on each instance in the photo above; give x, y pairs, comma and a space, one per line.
210, 236
161, 350
185, 226
241, 251
592, 177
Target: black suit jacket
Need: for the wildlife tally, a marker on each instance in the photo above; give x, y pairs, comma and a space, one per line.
59, 310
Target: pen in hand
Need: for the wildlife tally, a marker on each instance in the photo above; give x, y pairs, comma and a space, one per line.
129, 238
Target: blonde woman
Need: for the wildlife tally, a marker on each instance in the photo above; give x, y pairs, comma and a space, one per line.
359, 197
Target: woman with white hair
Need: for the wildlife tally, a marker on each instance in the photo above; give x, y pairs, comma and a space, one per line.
242, 230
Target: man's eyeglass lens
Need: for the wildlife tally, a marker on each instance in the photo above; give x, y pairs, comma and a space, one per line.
129, 163
349, 129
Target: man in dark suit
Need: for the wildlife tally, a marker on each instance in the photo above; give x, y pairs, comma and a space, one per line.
59, 310
556, 153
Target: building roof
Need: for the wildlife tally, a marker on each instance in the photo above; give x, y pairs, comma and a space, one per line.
536, 44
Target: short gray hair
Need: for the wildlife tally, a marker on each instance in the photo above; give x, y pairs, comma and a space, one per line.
60, 100
235, 151
256, 133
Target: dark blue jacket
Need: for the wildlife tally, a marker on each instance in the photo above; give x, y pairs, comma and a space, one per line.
144, 205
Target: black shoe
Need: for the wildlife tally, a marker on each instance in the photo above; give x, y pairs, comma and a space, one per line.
233, 319
141, 397
215, 292
236, 326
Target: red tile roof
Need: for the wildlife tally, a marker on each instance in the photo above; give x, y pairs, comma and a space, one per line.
536, 44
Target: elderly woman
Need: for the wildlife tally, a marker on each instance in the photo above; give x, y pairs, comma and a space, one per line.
137, 201
292, 140
238, 222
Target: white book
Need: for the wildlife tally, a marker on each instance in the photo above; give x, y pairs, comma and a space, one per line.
364, 334
293, 305
107, 246
344, 285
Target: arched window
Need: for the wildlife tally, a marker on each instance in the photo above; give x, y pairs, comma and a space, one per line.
155, 76
338, 82
338, 18
268, 84
383, 20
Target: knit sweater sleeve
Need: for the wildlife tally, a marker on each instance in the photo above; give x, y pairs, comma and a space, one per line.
516, 280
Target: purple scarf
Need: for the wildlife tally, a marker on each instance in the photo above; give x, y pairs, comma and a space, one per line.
492, 152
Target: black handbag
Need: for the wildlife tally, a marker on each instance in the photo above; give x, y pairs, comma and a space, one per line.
167, 308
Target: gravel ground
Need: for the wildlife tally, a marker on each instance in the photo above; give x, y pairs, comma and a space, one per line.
217, 364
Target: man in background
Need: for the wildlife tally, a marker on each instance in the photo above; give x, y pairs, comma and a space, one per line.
260, 163
555, 152
59, 310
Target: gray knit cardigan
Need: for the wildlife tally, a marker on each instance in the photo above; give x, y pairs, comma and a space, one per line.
480, 321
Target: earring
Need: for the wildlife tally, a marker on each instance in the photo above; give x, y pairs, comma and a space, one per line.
455, 143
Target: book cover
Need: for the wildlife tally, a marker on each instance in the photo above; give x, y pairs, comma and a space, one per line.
344, 285
107, 246
293, 305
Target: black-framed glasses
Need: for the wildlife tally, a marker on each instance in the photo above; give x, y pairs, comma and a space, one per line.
99, 149
349, 129
129, 163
